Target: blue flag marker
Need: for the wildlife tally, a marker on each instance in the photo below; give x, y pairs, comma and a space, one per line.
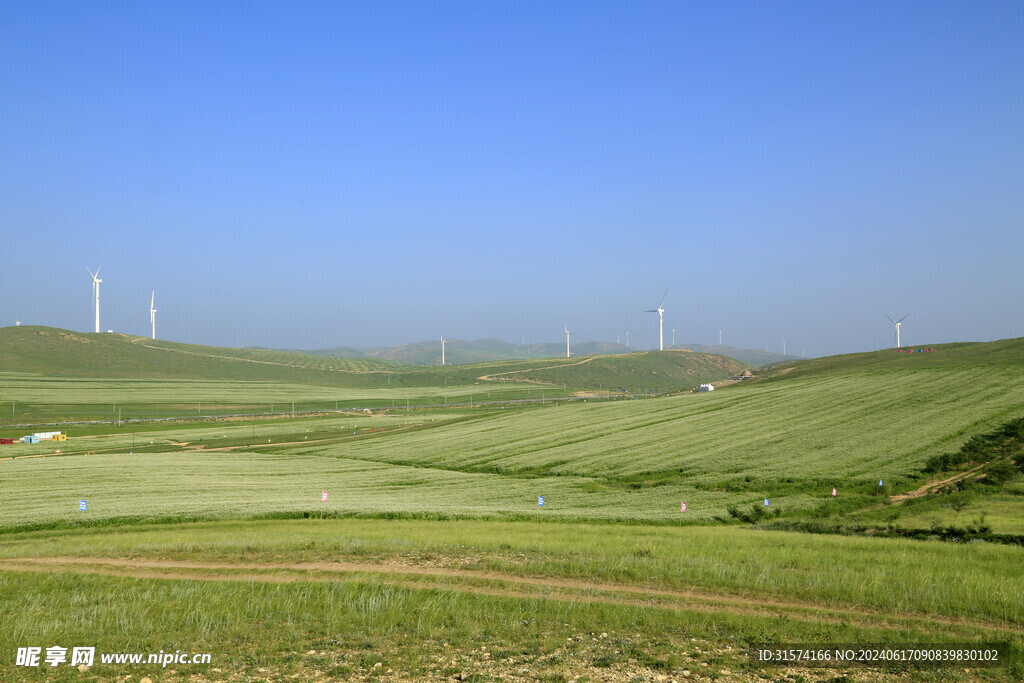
540, 500
766, 502
879, 482
82, 505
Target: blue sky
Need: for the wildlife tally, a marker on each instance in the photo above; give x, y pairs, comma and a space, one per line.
316, 174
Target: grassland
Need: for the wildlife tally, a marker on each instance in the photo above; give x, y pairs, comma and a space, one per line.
494, 599
49, 375
34, 399
433, 557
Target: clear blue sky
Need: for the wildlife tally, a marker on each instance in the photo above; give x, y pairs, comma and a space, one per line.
374, 173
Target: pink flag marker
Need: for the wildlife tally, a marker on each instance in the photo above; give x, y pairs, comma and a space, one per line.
323, 497
682, 508
833, 490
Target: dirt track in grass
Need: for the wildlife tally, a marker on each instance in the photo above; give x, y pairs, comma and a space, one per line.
491, 583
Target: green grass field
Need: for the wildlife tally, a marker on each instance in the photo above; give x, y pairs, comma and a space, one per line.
432, 555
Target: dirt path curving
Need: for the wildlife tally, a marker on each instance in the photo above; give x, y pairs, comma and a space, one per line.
490, 378
933, 486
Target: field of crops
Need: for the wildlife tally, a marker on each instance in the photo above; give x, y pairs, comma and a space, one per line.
835, 430
213, 485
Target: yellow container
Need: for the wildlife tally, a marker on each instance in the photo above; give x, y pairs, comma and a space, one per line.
60, 437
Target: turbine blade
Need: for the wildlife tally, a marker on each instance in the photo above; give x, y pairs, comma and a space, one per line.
903, 318
891, 320
663, 298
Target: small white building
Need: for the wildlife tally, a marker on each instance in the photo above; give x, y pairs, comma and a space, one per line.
706, 387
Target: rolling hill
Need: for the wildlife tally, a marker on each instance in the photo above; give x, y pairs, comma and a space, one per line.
62, 353
459, 352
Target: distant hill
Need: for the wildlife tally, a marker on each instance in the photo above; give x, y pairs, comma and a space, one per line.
64, 353
460, 351
751, 357
669, 370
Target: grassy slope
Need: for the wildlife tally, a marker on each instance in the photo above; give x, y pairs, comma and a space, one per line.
64, 353
849, 425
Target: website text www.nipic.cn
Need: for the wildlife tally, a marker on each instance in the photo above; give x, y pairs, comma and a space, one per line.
56, 655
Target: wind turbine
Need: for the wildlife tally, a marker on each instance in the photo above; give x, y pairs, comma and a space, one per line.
673, 336
443, 340
152, 313
567, 333
96, 294
661, 322
897, 323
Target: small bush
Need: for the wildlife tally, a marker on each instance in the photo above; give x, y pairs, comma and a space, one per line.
980, 526
756, 514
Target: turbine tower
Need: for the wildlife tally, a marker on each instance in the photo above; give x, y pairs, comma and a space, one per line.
567, 333
96, 295
152, 312
897, 323
443, 340
661, 322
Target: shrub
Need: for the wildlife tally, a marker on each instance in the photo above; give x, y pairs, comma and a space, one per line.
998, 473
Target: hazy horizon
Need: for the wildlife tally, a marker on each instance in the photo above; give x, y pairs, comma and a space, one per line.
333, 174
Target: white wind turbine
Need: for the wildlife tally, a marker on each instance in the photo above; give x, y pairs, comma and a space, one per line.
96, 294
567, 333
661, 322
152, 312
443, 340
897, 323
